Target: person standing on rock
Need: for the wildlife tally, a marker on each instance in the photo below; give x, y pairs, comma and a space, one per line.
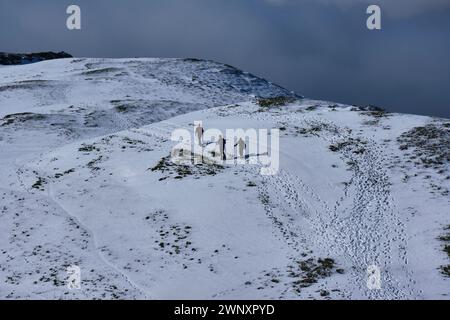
199, 131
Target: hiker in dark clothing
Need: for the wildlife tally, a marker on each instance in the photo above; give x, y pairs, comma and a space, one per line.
222, 144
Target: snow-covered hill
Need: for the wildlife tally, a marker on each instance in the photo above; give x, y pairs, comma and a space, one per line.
86, 180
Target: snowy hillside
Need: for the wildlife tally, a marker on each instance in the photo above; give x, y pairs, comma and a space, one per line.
86, 179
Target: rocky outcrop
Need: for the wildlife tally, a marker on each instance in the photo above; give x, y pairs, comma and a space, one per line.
25, 58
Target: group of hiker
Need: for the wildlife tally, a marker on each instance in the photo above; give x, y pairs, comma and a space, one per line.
199, 131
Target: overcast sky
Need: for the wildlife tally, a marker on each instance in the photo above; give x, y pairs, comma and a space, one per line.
318, 48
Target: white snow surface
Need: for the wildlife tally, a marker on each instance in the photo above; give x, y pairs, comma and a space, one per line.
79, 139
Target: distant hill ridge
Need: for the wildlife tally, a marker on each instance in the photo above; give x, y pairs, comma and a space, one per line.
26, 58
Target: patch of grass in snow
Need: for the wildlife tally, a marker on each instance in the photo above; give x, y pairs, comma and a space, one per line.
301, 274
192, 60
311, 131
311, 270
314, 129
378, 114
370, 108
25, 85
445, 270
279, 101
21, 117
59, 175
125, 106
122, 108
251, 184
132, 143
356, 145
265, 200
181, 171
174, 240
39, 184
312, 108
447, 250
375, 113
101, 71
375, 116
445, 238
88, 148
93, 163
428, 146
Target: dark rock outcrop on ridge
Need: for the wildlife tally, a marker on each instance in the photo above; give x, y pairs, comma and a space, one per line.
25, 58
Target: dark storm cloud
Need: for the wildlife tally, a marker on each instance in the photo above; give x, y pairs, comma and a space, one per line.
318, 48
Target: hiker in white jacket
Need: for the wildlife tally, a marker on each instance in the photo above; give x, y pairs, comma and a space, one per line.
199, 131
241, 145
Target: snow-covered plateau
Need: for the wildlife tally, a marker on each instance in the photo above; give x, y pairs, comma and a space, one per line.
359, 208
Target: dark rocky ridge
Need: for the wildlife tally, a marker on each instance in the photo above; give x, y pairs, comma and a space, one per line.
25, 58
